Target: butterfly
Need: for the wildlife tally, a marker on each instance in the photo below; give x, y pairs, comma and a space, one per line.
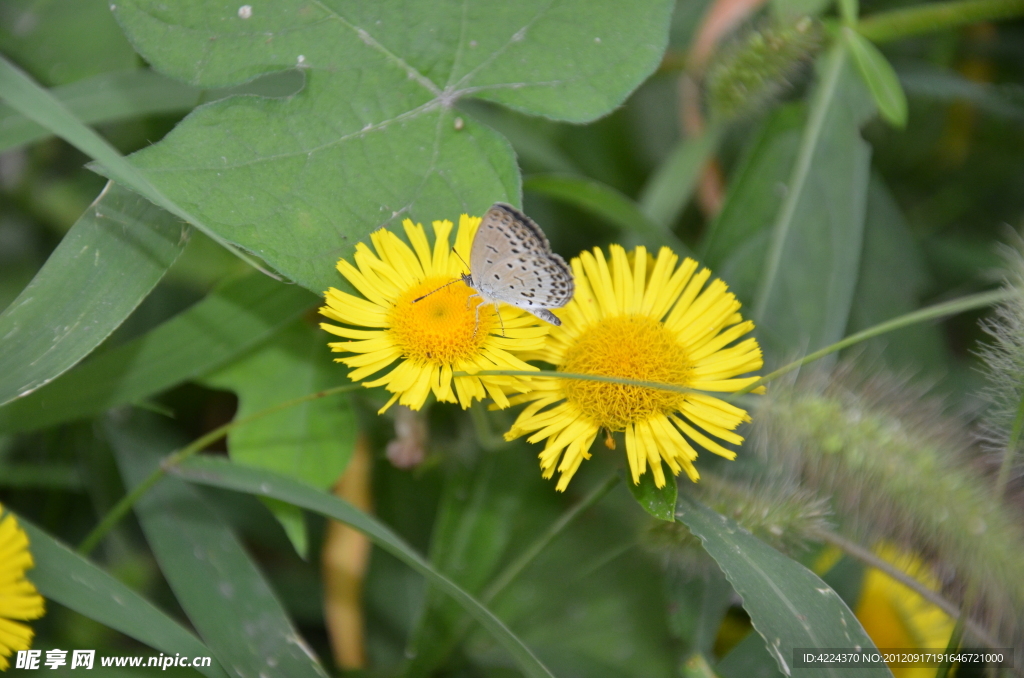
511, 261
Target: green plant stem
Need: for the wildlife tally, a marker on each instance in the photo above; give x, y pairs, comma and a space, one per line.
581, 377
115, 514
935, 312
865, 556
957, 636
821, 101
1011, 450
935, 16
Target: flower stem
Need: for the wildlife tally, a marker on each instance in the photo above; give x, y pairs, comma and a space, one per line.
1011, 450
921, 315
935, 312
128, 501
855, 550
935, 16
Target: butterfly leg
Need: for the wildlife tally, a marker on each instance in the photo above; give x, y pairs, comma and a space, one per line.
497, 312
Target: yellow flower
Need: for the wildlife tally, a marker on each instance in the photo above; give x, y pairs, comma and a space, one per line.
435, 336
647, 320
19, 599
896, 616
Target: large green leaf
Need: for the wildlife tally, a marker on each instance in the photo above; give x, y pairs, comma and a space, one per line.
311, 442
65, 577
789, 605
230, 320
221, 590
893, 279
260, 482
106, 264
813, 256
735, 242
372, 138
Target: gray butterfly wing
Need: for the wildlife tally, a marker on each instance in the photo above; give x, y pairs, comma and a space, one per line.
511, 261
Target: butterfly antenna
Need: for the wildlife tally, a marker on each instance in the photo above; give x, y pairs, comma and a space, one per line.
462, 279
460, 258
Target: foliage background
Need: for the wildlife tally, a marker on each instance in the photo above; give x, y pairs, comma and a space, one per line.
295, 132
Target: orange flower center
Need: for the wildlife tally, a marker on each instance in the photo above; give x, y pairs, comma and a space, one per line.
443, 328
630, 347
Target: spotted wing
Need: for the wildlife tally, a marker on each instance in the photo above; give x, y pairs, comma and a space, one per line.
512, 261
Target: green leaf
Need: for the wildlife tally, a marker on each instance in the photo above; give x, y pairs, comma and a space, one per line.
229, 321
893, 280
660, 502
483, 502
221, 590
813, 255
65, 577
104, 98
788, 604
735, 242
372, 138
697, 604
312, 442
110, 97
219, 473
670, 187
606, 202
60, 43
106, 264
749, 659
881, 79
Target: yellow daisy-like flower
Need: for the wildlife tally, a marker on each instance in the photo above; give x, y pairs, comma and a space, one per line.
644, 319
422, 315
896, 616
19, 600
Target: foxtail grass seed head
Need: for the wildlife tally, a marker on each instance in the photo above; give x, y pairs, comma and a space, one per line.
19, 599
758, 67
1003, 360
894, 465
646, 319
416, 310
777, 511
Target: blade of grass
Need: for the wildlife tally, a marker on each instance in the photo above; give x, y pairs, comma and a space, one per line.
229, 321
104, 98
65, 577
228, 600
219, 473
103, 268
36, 103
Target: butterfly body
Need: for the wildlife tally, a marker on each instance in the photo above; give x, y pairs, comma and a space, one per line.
511, 261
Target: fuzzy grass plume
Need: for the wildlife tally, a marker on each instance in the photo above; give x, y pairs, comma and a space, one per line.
759, 67
1003, 360
895, 467
777, 511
